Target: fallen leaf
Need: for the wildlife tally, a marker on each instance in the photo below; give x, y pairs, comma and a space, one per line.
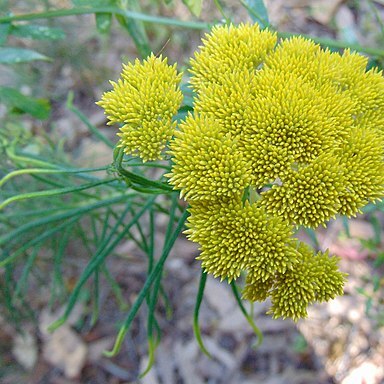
323, 11
25, 350
65, 350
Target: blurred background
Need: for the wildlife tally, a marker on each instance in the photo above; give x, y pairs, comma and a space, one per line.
341, 341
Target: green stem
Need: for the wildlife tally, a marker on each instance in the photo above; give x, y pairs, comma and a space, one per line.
52, 192
90, 10
335, 43
143, 293
135, 178
84, 119
96, 261
29, 171
199, 299
246, 314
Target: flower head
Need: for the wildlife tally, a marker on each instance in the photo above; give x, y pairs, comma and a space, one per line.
207, 162
228, 102
235, 237
362, 160
229, 49
314, 278
282, 136
308, 196
144, 100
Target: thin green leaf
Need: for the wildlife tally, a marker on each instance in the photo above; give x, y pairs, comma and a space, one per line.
5, 28
103, 22
81, 209
95, 131
36, 240
335, 43
91, 3
123, 305
345, 222
194, 6
257, 11
143, 293
10, 55
31, 171
376, 225
52, 192
22, 281
157, 285
312, 235
58, 282
251, 322
39, 108
221, 10
199, 299
136, 29
37, 32
96, 298
103, 251
151, 357
114, 10
6, 292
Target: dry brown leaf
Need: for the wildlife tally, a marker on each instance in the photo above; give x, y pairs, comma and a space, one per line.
323, 11
65, 350
25, 350
345, 22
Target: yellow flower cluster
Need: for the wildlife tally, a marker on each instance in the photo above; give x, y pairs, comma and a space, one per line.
283, 134
144, 100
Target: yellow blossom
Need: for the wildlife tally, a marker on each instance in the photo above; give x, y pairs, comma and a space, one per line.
281, 136
227, 49
290, 121
207, 162
362, 160
228, 101
144, 100
234, 237
308, 196
304, 127
314, 278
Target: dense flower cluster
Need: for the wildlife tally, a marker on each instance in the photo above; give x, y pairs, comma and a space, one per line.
144, 100
282, 135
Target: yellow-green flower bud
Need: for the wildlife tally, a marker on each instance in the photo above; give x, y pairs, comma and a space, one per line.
144, 100
207, 161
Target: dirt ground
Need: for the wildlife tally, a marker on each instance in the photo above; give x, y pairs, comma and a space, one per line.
341, 341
